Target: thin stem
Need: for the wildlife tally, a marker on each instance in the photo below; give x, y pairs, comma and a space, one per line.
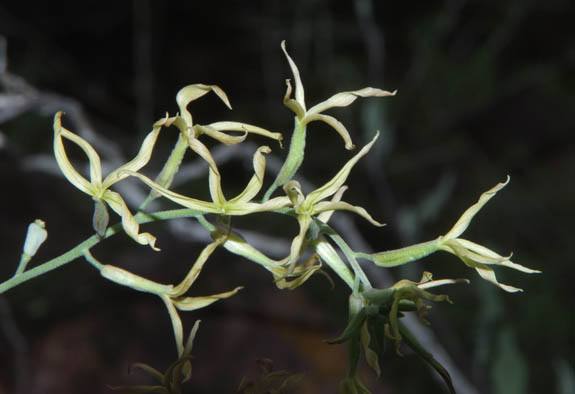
350, 254
80, 249
293, 160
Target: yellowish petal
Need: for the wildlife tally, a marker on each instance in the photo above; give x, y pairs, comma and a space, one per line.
344, 99
245, 208
255, 184
91, 188
303, 272
141, 159
188, 202
339, 179
247, 128
482, 250
489, 275
327, 206
325, 216
195, 270
236, 244
194, 303
291, 103
336, 124
299, 92
296, 248
224, 138
192, 92
468, 215
294, 193
129, 223
176, 323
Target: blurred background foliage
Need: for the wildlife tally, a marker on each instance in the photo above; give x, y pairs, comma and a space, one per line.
485, 89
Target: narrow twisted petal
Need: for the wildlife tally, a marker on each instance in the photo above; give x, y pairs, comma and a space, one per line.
194, 303
325, 216
188, 202
141, 159
129, 223
291, 103
255, 184
192, 92
339, 179
499, 260
299, 92
247, 128
73, 176
192, 275
337, 126
327, 206
463, 222
344, 99
224, 138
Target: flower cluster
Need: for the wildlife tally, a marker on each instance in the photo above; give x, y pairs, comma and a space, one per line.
374, 313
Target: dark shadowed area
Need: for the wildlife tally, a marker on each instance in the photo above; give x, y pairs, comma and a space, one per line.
486, 89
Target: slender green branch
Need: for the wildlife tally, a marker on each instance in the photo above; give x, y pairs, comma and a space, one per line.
293, 160
80, 249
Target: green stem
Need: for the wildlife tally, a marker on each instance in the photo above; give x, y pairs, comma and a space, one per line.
172, 165
80, 249
393, 258
293, 160
350, 254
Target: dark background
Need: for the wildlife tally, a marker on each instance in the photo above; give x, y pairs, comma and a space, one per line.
485, 89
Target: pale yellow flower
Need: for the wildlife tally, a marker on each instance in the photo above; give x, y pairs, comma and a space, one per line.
343, 99
306, 207
477, 256
98, 188
240, 205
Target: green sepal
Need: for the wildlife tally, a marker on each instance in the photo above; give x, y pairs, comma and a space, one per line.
412, 342
353, 328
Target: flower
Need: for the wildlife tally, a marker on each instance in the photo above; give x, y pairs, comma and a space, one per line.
342, 99
477, 256
309, 206
190, 133
239, 205
99, 189
304, 117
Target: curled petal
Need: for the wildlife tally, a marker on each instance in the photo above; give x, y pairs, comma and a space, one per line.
192, 92
327, 206
301, 272
224, 138
195, 270
344, 99
255, 184
180, 199
489, 254
252, 207
336, 124
299, 92
247, 128
141, 159
194, 303
294, 193
296, 248
468, 215
339, 179
64, 163
325, 216
489, 275
291, 103
482, 269
129, 223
